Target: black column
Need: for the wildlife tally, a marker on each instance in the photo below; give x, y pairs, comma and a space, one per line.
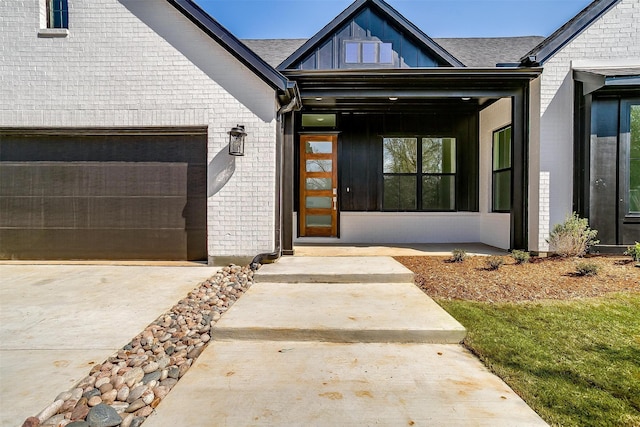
288, 177
520, 169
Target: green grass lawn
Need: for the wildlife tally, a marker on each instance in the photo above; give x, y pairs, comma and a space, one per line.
576, 363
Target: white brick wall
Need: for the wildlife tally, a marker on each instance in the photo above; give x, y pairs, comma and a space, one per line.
139, 63
613, 39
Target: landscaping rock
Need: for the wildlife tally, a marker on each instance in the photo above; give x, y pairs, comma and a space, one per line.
135, 379
103, 416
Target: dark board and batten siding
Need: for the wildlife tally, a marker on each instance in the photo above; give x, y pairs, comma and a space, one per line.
103, 197
360, 154
369, 26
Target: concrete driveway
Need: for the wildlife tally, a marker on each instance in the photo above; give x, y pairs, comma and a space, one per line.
58, 320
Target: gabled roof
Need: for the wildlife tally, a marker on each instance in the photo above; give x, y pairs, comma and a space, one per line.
231, 44
389, 13
472, 52
565, 34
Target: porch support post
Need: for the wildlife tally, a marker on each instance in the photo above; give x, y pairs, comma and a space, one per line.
520, 169
288, 177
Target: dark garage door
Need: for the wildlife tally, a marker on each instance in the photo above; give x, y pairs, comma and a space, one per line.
103, 196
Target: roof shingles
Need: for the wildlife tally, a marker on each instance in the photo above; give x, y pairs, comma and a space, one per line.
472, 52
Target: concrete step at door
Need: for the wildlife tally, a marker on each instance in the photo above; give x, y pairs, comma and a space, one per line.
334, 270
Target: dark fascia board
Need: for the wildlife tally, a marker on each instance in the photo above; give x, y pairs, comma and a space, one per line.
563, 35
444, 72
231, 44
351, 11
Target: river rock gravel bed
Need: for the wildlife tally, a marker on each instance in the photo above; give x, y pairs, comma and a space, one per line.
126, 388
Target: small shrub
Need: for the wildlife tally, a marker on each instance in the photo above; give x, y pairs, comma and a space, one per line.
494, 262
587, 269
458, 255
634, 252
521, 257
573, 237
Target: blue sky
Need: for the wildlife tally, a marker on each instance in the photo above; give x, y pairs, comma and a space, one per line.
438, 18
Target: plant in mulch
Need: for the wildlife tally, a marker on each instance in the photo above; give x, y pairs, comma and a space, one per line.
494, 262
634, 253
573, 237
520, 257
587, 269
458, 255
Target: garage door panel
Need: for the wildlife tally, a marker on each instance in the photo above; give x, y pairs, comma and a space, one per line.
103, 212
197, 178
103, 197
192, 212
95, 244
191, 149
94, 179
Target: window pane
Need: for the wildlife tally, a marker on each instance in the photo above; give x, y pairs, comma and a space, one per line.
318, 147
318, 184
438, 155
634, 163
502, 191
369, 53
386, 53
318, 220
58, 13
319, 165
352, 52
399, 193
502, 149
319, 202
400, 155
439, 193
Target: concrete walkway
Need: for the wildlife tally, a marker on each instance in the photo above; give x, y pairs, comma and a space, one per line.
57, 321
314, 353
334, 352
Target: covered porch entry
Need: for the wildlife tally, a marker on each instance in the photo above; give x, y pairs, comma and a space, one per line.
435, 155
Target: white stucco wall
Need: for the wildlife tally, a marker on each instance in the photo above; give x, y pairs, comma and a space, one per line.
141, 63
495, 228
404, 227
612, 40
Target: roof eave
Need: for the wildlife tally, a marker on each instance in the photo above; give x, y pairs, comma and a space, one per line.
566, 33
231, 44
516, 72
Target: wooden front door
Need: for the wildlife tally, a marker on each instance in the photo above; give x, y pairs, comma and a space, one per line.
318, 185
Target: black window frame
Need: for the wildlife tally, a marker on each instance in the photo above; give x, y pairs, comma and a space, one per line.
57, 14
360, 63
499, 171
419, 175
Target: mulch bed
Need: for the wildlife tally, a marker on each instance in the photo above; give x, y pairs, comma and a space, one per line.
543, 278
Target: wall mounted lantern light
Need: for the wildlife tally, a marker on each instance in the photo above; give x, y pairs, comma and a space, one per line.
236, 140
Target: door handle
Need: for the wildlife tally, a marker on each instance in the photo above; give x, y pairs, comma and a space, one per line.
335, 203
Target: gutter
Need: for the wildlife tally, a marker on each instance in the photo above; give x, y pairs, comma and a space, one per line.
271, 257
